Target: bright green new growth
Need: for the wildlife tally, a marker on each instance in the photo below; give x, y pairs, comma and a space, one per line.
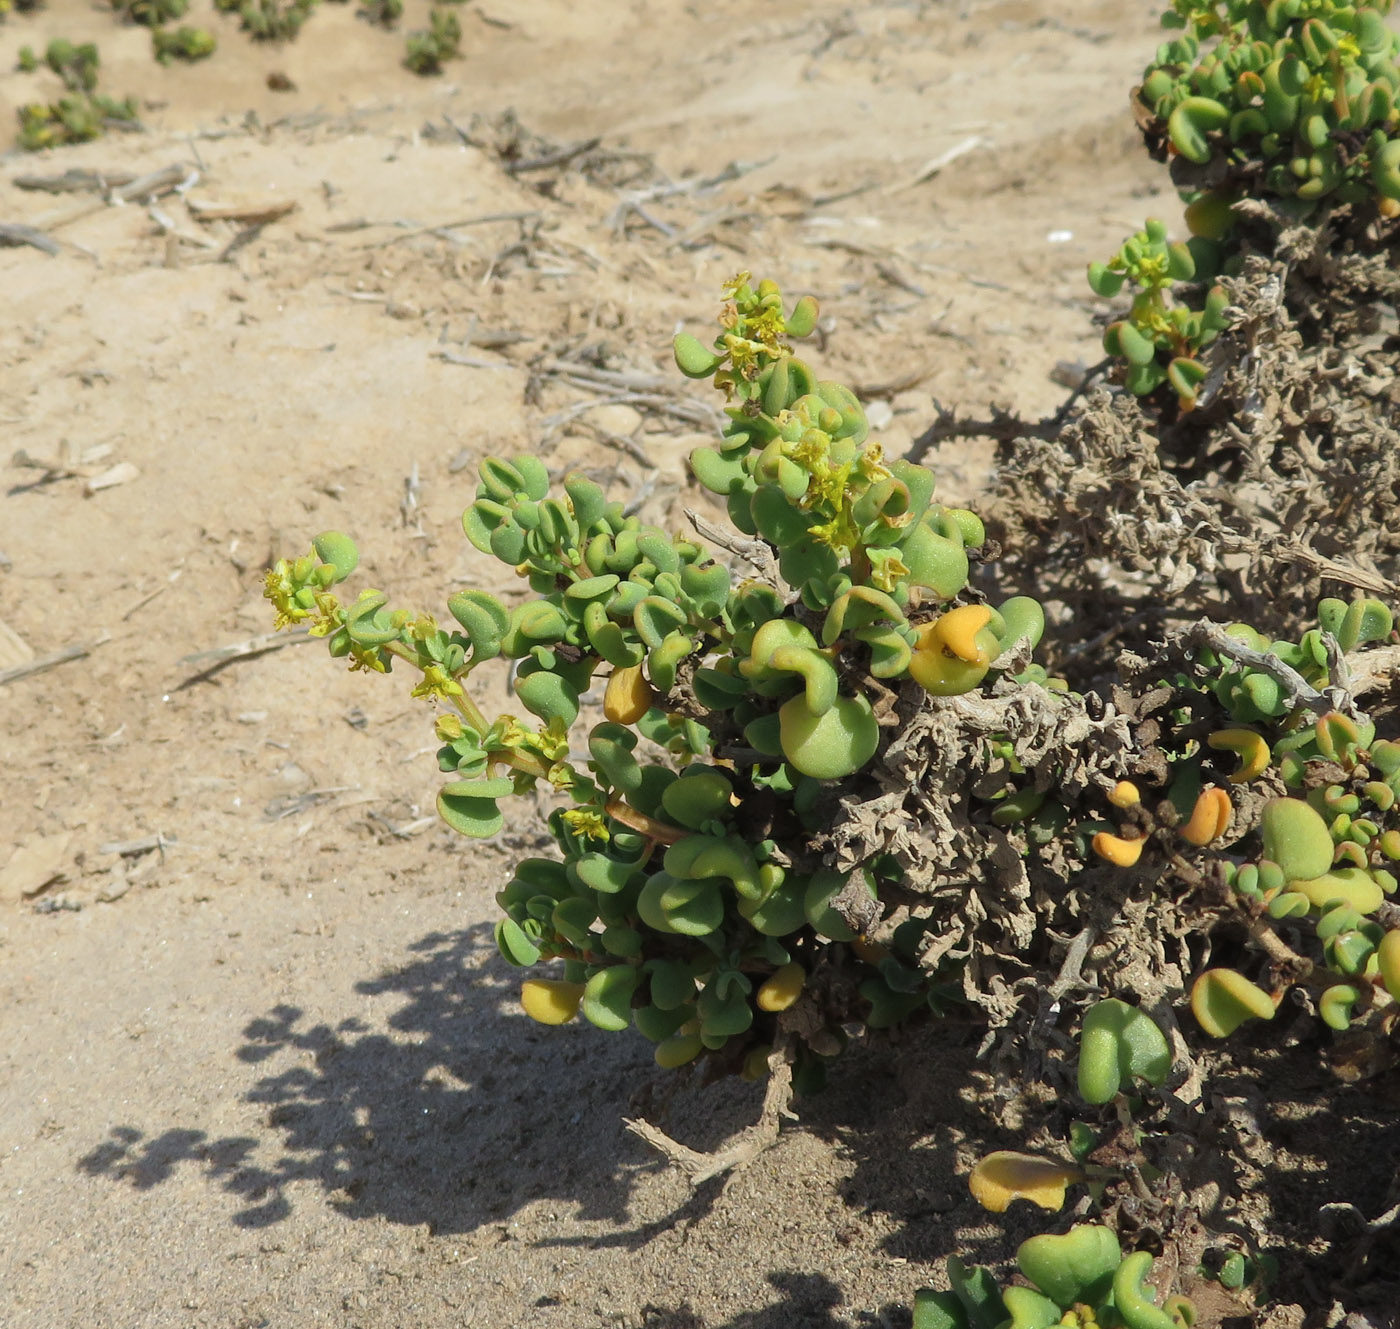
1162, 336
1292, 102
1286, 99
1080, 1278
1119, 1044
673, 901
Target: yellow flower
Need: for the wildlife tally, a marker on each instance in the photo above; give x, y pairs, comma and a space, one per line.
368, 659
330, 617
769, 327
437, 682
552, 742
737, 282
510, 733
281, 591
837, 534
871, 464
561, 777
586, 823
886, 568
744, 354
423, 627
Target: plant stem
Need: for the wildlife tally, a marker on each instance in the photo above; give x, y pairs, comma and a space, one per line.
656, 831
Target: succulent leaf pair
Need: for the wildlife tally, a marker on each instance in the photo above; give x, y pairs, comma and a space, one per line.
1078, 1278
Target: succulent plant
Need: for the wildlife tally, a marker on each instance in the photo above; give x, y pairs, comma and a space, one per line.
1290, 104
427, 51
185, 43
666, 911
84, 113
1163, 334
1292, 100
151, 13
269, 20
383, 13
1080, 1278
1323, 851
76, 65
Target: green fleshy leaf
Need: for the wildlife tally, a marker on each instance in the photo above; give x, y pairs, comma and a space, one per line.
514, 945
469, 806
549, 696
607, 997
1119, 1043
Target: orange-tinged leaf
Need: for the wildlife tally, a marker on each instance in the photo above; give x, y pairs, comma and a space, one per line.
1123, 853
1209, 818
1005, 1175
1222, 1000
957, 632
1125, 794
783, 988
1251, 748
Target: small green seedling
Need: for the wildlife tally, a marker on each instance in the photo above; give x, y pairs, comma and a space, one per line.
1163, 334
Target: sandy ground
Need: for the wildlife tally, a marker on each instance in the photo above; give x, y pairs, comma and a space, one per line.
271, 1073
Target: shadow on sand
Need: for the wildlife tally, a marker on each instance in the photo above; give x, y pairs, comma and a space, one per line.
450, 1117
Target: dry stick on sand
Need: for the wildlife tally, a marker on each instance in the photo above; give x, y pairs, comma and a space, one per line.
935, 164
750, 1143
412, 228
75, 180
652, 392
16, 233
147, 188
46, 662
134, 848
632, 200
222, 656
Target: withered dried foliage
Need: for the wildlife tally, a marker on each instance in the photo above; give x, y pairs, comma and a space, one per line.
1280, 486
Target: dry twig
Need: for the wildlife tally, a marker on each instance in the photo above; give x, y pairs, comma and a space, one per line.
44, 663
222, 656
1297, 690
700, 1167
754, 552
16, 233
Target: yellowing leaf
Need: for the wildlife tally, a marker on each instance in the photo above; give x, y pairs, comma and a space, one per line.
1005, 1175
